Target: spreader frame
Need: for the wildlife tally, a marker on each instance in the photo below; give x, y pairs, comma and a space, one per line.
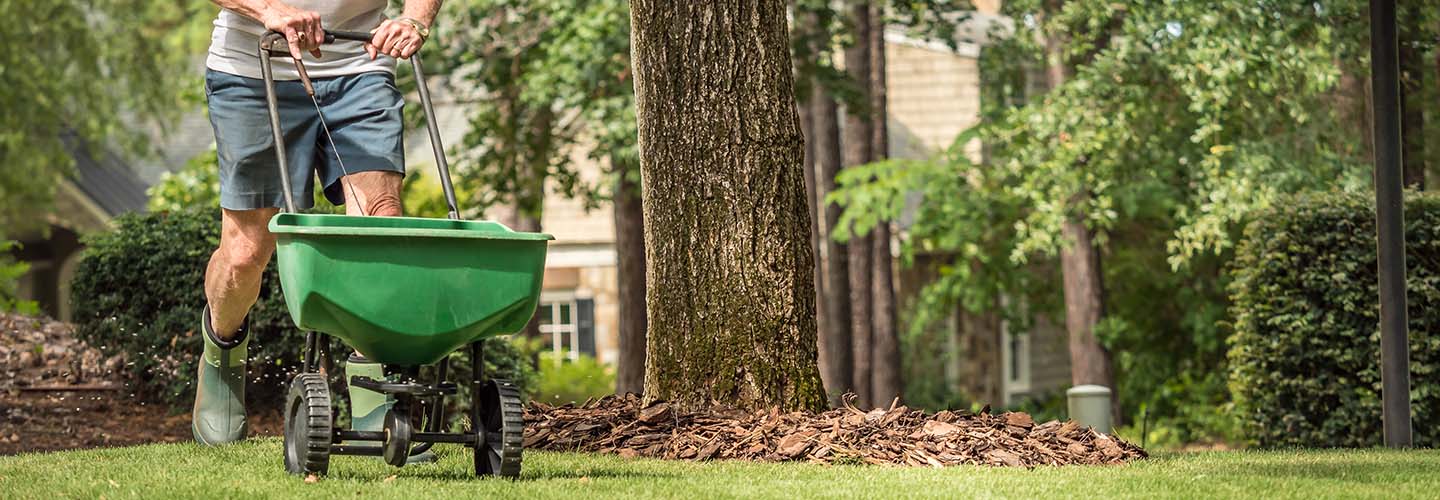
496, 426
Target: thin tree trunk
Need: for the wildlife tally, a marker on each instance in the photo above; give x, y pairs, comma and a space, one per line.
1079, 260
630, 277
856, 150
1412, 113
1084, 306
886, 384
807, 127
837, 338
522, 222
730, 300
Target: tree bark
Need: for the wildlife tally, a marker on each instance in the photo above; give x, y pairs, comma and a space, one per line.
1084, 306
812, 192
857, 151
840, 361
730, 300
823, 143
886, 383
807, 128
1412, 112
630, 277
1079, 258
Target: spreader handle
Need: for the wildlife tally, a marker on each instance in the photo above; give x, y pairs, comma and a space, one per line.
267, 44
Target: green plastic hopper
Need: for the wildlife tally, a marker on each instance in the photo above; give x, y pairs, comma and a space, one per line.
405, 290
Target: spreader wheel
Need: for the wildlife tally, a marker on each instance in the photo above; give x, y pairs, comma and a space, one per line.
398, 432
501, 431
307, 425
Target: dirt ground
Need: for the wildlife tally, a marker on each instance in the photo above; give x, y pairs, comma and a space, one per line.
39, 421
58, 394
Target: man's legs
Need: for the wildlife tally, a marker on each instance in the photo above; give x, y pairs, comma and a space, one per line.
232, 281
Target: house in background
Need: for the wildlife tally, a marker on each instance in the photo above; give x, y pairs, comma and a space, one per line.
105, 185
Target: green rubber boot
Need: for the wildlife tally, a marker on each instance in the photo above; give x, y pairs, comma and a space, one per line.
367, 407
219, 413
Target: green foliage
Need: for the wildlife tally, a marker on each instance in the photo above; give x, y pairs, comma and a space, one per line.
572, 381
1304, 356
198, 186
541, 79
140, 289
82, 65
1179, 121
195, 186
10, 273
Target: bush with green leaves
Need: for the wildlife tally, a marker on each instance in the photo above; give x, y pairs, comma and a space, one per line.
572, 381
1304, 354
139, 291
10, 273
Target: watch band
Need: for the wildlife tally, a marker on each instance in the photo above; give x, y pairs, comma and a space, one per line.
419, 26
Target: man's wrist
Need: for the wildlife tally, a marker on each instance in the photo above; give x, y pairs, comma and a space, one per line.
419, 26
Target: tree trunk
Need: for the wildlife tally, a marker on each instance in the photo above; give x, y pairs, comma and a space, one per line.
1084, 306
630, 275
1412, 112
857, 151
886, 383
1079, 259
837, 335
807, 127
840, 360
730, 300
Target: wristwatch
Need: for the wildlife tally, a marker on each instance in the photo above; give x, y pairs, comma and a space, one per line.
419, 26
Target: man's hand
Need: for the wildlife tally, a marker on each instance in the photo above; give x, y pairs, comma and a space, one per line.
300, 27
399, 38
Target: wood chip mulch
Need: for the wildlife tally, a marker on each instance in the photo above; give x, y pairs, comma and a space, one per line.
893, 436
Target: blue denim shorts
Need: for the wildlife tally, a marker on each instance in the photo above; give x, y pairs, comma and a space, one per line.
364, 115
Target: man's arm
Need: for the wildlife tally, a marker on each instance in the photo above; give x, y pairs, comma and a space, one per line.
400, 37
300, 27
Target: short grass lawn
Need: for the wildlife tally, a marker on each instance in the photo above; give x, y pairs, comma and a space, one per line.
254, 469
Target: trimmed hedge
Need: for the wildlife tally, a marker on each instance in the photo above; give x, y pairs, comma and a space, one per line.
1304, 355
139, 291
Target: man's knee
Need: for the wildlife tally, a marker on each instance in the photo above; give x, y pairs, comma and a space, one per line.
247, 257
379, 192
246, 241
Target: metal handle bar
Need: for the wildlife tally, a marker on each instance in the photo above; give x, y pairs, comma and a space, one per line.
267, 42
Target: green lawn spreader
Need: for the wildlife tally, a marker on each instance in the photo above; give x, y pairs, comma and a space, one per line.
405, 292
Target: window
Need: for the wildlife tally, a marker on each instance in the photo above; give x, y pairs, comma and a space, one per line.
567, 325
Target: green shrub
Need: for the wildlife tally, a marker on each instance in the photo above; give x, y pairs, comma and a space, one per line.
1304, 354
139, 291
572, 381
10, 273
195, 185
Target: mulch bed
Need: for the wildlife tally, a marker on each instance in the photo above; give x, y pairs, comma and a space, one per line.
38, 353
56, 393
893, 436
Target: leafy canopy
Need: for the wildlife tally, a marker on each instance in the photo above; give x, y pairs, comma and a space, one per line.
83, 73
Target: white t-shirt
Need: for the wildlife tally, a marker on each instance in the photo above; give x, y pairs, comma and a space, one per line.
234, 44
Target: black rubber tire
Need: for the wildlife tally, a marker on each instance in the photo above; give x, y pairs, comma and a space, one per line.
398, 432
308, 425
501, 431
